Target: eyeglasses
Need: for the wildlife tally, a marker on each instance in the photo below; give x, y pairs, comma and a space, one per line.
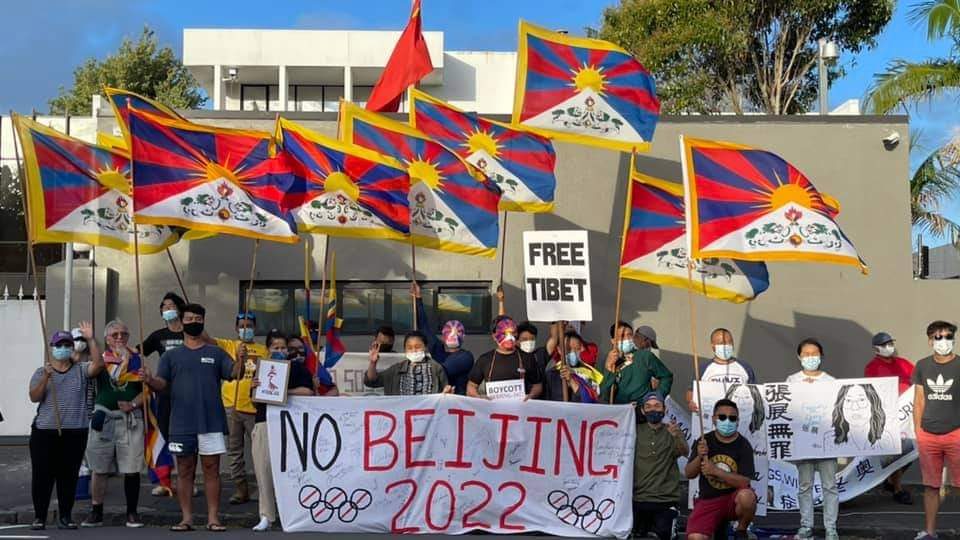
942, 337
119, 335
731, 417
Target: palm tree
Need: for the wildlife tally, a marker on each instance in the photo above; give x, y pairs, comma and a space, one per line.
935, 181
906, 83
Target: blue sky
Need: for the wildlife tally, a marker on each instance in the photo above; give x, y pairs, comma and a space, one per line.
44, 41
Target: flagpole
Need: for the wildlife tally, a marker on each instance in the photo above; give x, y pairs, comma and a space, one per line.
306, 274
246, 310
33, 265
561, 350
143, 361
503, 244
323, 289
616, 316
413, 276
176, 273
693, 342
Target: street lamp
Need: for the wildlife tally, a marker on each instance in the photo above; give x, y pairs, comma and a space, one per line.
828, 54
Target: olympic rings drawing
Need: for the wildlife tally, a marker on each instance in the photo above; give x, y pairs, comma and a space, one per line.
323, 506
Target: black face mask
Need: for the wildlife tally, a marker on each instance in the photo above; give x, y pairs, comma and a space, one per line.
296, 356
193, 329
386, 347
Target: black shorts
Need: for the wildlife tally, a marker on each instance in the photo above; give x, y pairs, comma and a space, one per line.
657, 518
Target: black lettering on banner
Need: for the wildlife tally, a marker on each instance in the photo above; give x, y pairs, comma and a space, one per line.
557, 289
287, 419
534, 249
336, 436
557, 254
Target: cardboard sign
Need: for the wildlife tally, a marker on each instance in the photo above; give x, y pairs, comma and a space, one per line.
446, 464
273, 376
557, 276
510, 390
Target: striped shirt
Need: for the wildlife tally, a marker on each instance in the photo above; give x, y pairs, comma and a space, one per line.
70, 388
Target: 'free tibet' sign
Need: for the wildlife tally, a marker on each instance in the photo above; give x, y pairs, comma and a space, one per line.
557, 276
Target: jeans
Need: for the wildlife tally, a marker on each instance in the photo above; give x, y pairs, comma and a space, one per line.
828, 483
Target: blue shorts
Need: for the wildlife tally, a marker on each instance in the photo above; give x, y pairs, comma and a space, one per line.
205, 444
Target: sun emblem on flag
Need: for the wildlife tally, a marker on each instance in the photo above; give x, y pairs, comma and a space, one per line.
589, 76
338, 181
424, 171
482, 140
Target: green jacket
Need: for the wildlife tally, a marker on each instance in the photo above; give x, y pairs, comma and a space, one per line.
633, 380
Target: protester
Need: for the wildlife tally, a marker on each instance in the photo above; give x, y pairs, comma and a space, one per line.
656, 477
886, 363
448, 350
300, 383
527, 342
513, 363
417, 375
723, 459
557, 373
241, 414
936, 419
198, 420
116, 437
810, 354
645, 338
386, 338
81, 353
58, 434
629, 373
724, 368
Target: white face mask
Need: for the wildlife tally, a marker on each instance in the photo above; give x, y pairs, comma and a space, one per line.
723, 351
79, 346
416, 356
528, 346
943, 347
886, 351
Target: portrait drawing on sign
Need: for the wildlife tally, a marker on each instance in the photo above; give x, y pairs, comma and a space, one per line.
749, 399
858, 420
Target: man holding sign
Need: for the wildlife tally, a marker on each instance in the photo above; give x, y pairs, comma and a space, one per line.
505, 371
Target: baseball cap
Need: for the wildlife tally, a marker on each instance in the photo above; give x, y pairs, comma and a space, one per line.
648, 333
61, 336
651, 395
882, 339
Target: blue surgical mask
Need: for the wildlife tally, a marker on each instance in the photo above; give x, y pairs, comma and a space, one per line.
726, 427
246, 334
810, 363
62, 353
170, 315
573, 358
627, 346
654, 417
278, 355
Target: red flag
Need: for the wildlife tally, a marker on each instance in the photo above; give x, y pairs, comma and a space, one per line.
409, 62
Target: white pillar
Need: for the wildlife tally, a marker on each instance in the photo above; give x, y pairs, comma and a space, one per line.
282, 83
217, 87
347, 83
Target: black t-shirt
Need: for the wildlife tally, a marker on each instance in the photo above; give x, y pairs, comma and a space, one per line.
516, 365
941, 388
735, 457
161, 341
299, 378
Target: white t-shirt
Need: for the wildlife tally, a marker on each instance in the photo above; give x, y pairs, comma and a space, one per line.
801, 377
733, 372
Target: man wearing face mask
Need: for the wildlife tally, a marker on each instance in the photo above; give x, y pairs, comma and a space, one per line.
448, 350
504, 363
656, 477
936, 419
629, 373
241, 414
886, 363
386, 338
417, 375
724, 462
557, 372
724, 368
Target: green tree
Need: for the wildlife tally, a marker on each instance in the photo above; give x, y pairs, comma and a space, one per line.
711, 56
140, 66
934, 182
906, 83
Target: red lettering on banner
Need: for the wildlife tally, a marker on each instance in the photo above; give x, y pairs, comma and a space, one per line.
409, 439
459, 463
504, 430
394, 526
575, 455
387, 439
450, 510
612, 470
513, 507
534, 466
467, 524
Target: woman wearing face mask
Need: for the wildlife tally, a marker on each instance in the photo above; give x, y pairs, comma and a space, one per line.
505, 363
448, 350
58, 435
417, 375
810, 354
558, 371
300, 383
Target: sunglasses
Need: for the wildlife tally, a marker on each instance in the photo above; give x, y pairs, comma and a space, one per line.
731, 417
942, 337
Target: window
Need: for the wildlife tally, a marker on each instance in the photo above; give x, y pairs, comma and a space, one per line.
366, 305
254, 97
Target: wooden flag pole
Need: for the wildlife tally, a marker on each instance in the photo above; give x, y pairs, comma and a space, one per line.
253, 275
323, 289
616, 316
616, 327
503, 243
32, 259
562, 351
145, 400
306, 274
693, 342
413, 276
176, 272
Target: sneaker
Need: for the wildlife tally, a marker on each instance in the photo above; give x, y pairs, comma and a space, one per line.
66, 523
263, 525
133, 521
903, 497
804, 533
924, 535
95, 519
38, 525
161, 491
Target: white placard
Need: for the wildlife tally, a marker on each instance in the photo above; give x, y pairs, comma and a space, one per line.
272, 377
447, 464
510, 390
557, 276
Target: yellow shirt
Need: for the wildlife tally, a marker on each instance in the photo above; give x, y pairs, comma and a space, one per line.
229, 390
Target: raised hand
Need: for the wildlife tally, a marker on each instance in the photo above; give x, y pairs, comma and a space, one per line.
374, 352
86, 329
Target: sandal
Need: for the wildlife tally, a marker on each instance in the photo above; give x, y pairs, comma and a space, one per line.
182, 527
216, 527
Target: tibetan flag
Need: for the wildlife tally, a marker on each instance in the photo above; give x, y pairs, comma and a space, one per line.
333, 348
348, 190
211, 179
752, 205
80, 192
521, 163
310, 360
117, 144
452, 208
585, 91
123, 100
409, 62
158, 457
655, 247
123, 370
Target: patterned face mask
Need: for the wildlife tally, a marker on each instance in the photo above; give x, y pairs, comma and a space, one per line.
452, 333
505, 333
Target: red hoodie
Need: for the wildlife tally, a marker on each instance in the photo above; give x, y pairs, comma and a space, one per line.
895, 366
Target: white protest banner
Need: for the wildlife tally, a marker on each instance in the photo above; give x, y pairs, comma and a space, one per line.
839, 418
556, 267
447, 464
752, 426
510, 390
348, 373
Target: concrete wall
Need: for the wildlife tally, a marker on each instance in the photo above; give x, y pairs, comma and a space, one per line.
844, 156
